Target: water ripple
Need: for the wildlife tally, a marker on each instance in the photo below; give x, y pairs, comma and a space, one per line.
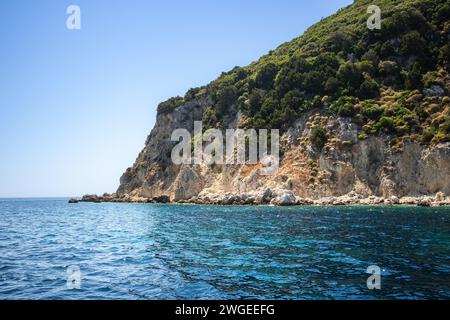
139, 251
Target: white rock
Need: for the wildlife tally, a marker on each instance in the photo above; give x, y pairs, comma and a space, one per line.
283, 198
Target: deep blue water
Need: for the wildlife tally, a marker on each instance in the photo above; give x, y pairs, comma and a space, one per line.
147, 251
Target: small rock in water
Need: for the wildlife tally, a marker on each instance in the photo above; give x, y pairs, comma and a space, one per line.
73, 200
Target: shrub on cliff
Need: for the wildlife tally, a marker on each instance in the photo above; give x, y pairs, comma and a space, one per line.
385, 124
372, 112
169, 105
319, 137
225, 97
209, 118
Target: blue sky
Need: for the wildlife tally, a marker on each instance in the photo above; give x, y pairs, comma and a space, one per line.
77, 105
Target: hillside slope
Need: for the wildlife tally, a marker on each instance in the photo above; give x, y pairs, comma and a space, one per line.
362, 113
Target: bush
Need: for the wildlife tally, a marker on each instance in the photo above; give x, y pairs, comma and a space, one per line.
265, 77
255, 99
388, 67
372, 112
445, 127
385, 124
412, 43
440, 137
169, 105
444, 57
344, 106
390, 71
346, 110
427, 136
240, 73
368, 89
387, 50
313, 81
225, 97
269, 105
191, 94
362, 136
293, 99
319, 137
332, 85
413, 77
350, 75
431, 78
282, 118
403, 21
371, 56
209, 118
339, 41
365, 66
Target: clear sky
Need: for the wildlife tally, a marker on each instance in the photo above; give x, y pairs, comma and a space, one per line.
77, 105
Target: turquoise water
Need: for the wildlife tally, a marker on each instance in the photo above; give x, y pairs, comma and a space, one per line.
148, 251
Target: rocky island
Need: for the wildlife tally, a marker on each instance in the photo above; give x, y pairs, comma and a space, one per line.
363, 114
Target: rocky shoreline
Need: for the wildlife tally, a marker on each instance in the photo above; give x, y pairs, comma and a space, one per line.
280, 197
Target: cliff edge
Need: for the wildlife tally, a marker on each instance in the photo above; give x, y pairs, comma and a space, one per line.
363, 114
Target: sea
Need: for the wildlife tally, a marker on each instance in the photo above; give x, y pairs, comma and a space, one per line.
53, 250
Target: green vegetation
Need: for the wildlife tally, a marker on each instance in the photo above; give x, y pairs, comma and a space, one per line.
209, 118
339, 67
169, 105
319, 137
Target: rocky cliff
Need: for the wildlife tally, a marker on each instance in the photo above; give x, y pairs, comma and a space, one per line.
382, 108
346, 165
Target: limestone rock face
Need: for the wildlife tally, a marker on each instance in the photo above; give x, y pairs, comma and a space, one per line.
188, 183
153, 172
348, 169
434, 169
